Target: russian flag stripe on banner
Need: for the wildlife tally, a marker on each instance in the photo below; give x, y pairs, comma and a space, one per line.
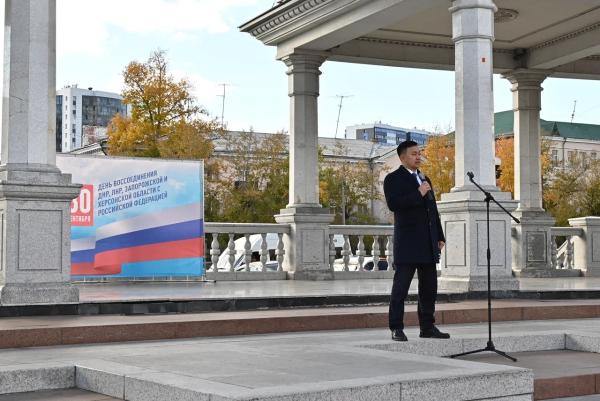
163, 217
164, 250
169, 234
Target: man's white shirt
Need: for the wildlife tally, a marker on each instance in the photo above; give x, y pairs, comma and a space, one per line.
413, 173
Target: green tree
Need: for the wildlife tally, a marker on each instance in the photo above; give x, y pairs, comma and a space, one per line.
347, 187
573, 190
254, 179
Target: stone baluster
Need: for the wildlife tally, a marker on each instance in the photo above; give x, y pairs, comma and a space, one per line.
331, 251
264, 252
346, 252
280, 252
231, 247
569, 254
215, 252
389, 252
375, 250
360, 252
247, 252
553, 252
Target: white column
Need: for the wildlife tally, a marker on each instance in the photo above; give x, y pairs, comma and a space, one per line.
303, 90
34, 195
29, 93
527, 95
462, 211
473, 36
307, 245
531, 240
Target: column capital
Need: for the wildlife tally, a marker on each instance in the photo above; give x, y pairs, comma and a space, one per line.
523, 78
458, 5
303, 62
472, 19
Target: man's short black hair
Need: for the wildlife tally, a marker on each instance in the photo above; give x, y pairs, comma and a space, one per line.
405, 145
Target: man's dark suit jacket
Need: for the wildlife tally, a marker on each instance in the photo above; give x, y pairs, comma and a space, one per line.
417, 226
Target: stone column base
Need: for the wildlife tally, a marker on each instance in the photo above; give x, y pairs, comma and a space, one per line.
307, 245
477, 284
35, 222
587, 247
531, 245
39, 293
546, 273
464, 258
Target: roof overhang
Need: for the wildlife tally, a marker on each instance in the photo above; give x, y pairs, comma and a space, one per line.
556, 35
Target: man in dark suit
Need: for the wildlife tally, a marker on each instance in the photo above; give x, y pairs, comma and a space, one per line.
418, 241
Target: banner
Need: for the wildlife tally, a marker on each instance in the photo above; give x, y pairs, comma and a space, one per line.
136, 217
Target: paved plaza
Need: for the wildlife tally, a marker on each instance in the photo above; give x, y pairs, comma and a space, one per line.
340, 365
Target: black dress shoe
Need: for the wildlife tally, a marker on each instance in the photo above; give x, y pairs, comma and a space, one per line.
398, 335
433, 332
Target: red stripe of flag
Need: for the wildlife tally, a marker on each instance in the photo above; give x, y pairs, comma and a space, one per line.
88, 269
190, 248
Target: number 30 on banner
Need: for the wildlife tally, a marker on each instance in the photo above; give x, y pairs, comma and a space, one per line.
82, 207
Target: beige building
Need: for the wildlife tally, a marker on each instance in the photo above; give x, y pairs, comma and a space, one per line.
567, 140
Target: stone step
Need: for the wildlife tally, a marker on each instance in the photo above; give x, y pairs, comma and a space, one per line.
66, 330
551, 356
34, 377
71, 394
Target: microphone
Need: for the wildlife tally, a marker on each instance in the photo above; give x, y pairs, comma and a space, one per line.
429, 194
470, 175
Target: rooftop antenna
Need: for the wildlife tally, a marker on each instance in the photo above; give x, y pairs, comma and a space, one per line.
223, 105
573, 114
339, 112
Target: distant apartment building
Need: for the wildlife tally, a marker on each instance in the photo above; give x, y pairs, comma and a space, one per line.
386, 134
82, 116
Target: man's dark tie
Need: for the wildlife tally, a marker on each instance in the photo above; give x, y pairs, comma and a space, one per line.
416, 179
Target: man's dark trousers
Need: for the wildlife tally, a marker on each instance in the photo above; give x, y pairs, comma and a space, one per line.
427, 275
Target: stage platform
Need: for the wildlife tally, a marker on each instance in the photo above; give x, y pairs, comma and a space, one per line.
195, 297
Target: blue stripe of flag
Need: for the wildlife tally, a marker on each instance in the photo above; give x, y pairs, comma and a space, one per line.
167, 233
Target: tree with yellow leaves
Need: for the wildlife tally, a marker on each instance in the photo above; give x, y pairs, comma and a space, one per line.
165, 119
439, 163
505, 151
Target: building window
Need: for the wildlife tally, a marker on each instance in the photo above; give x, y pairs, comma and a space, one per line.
74, 112
593, 155
74, 102
554, 155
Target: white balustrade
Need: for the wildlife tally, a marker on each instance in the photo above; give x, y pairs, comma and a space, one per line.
236, 261
562, 256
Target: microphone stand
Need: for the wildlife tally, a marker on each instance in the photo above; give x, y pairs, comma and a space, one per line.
490, 344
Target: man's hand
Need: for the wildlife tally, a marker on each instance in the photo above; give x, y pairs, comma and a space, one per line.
441, 244
424, 188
